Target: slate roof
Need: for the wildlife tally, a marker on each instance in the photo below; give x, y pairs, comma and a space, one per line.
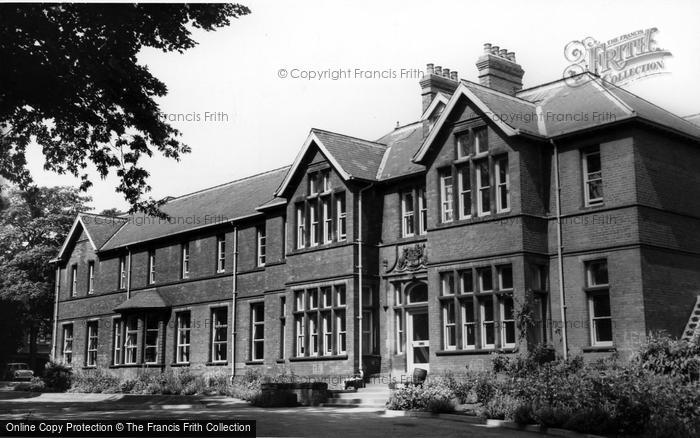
359, 158
147, 299
402, 143
215, 205
100, 228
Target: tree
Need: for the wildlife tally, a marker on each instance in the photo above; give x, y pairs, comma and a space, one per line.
33, 226
110, 212
70, 81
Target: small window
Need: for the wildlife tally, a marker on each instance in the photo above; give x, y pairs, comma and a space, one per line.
483, 188
465, 192
592, 178
326, 177
447, 283
418, 294
313, 334
262, 244
91, 277
507, 322
186, 260
449, 325
299, 300
221, 253
326, 297
597, 273
422, 212
151, 267
313, 299
446, 200
407, 214
367, 296
505, 277
283, 326
122, 272
257, 331
327, 220
67, 350
74, 280
502, 185
398, 294
313, 184
368, 337
538, 277
342, 217
466, 282
464, 144
182, 354
340, 295
301, 227
601, 319
219, 334
399, 331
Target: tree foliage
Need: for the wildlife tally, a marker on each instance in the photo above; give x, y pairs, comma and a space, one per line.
71, 81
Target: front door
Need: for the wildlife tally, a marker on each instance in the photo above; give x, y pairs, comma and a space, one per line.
418, 340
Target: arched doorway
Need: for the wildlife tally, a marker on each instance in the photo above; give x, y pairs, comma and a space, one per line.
417, 327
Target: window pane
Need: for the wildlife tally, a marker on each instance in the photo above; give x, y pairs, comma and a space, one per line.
506, 277
467, 282
603, 330
598, 273
601, 305
418, 294
486, 282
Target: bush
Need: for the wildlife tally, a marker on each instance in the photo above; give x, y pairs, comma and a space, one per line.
96, 380
35, 385
485, 388
663, 355
501, 406
57, 376
431, 396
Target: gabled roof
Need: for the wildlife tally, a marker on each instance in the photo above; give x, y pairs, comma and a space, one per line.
558, 108
227, 202
403, 143
440, 98
351, 157
97, 227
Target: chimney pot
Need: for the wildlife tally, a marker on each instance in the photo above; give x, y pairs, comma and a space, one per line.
454, 76
430, 69
438, 70
487, 48
499, 71
494, 50
504, 53
511, 56
446, 72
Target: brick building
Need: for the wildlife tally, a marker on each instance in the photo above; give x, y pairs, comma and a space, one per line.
419, 249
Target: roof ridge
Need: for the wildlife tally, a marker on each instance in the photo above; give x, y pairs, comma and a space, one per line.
500, 93
102, 215
371, 143
545, 84
245, 178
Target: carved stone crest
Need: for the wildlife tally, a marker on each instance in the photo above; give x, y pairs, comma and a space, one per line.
412, 258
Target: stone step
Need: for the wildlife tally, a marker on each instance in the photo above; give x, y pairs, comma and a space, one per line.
385, 395
359, 401
378, 406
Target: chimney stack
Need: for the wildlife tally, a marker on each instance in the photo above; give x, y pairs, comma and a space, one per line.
499, 71
437, 80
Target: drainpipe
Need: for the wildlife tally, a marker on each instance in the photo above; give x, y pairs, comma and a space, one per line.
234, 293
128, 275
560, 245
55, 313
360, 268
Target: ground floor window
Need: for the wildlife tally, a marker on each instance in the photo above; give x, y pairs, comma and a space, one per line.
219, 334
67, 350
182, 352
91, 350
601, 319
150, 342
319, 321
131, 335
257, 335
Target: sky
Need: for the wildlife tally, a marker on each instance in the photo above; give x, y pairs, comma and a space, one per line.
244, 118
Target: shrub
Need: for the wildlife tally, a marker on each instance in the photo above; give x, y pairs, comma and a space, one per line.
96, 380
501, 406
431, 396
593, 420
35, 385
663, 355
484, 388
57, 376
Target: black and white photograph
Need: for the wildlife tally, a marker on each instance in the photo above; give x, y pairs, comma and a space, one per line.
350, 218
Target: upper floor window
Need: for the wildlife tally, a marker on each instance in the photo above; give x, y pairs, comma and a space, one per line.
592, 177
327, 220
313, 225
446, 200
122, 272
407, 205
465, 191
326, 181
342, 217
74, 280
261, 247
91, 277
151, 266
301, 226
422, 212
473, 141
483, 188
480, 139
313, 184
221, 253
186, 260
502, 184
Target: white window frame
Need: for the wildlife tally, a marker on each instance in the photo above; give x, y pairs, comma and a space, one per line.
183, 337
446, 202
313, 333
327, 326
408, 223
477, 146
261, 248
398, 318
313, 184
152, 267
254, 323
122, 272
507, 322
185, 260
447, 325
462, 282
340, 292
468, 321
150, 318
445, 289
299, 301
67, 349
91, 277
118, 341
422, 212
301, 227
464, 141
327, 220
342, 332
313, 224
221, 253
502, 185
326, 297
464, 175
92, 337
482, 189
487, 322
131, 333
342, 217
597, 290
74, 280
480, 275
326, 178
499, 270
588, 178
299, 334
